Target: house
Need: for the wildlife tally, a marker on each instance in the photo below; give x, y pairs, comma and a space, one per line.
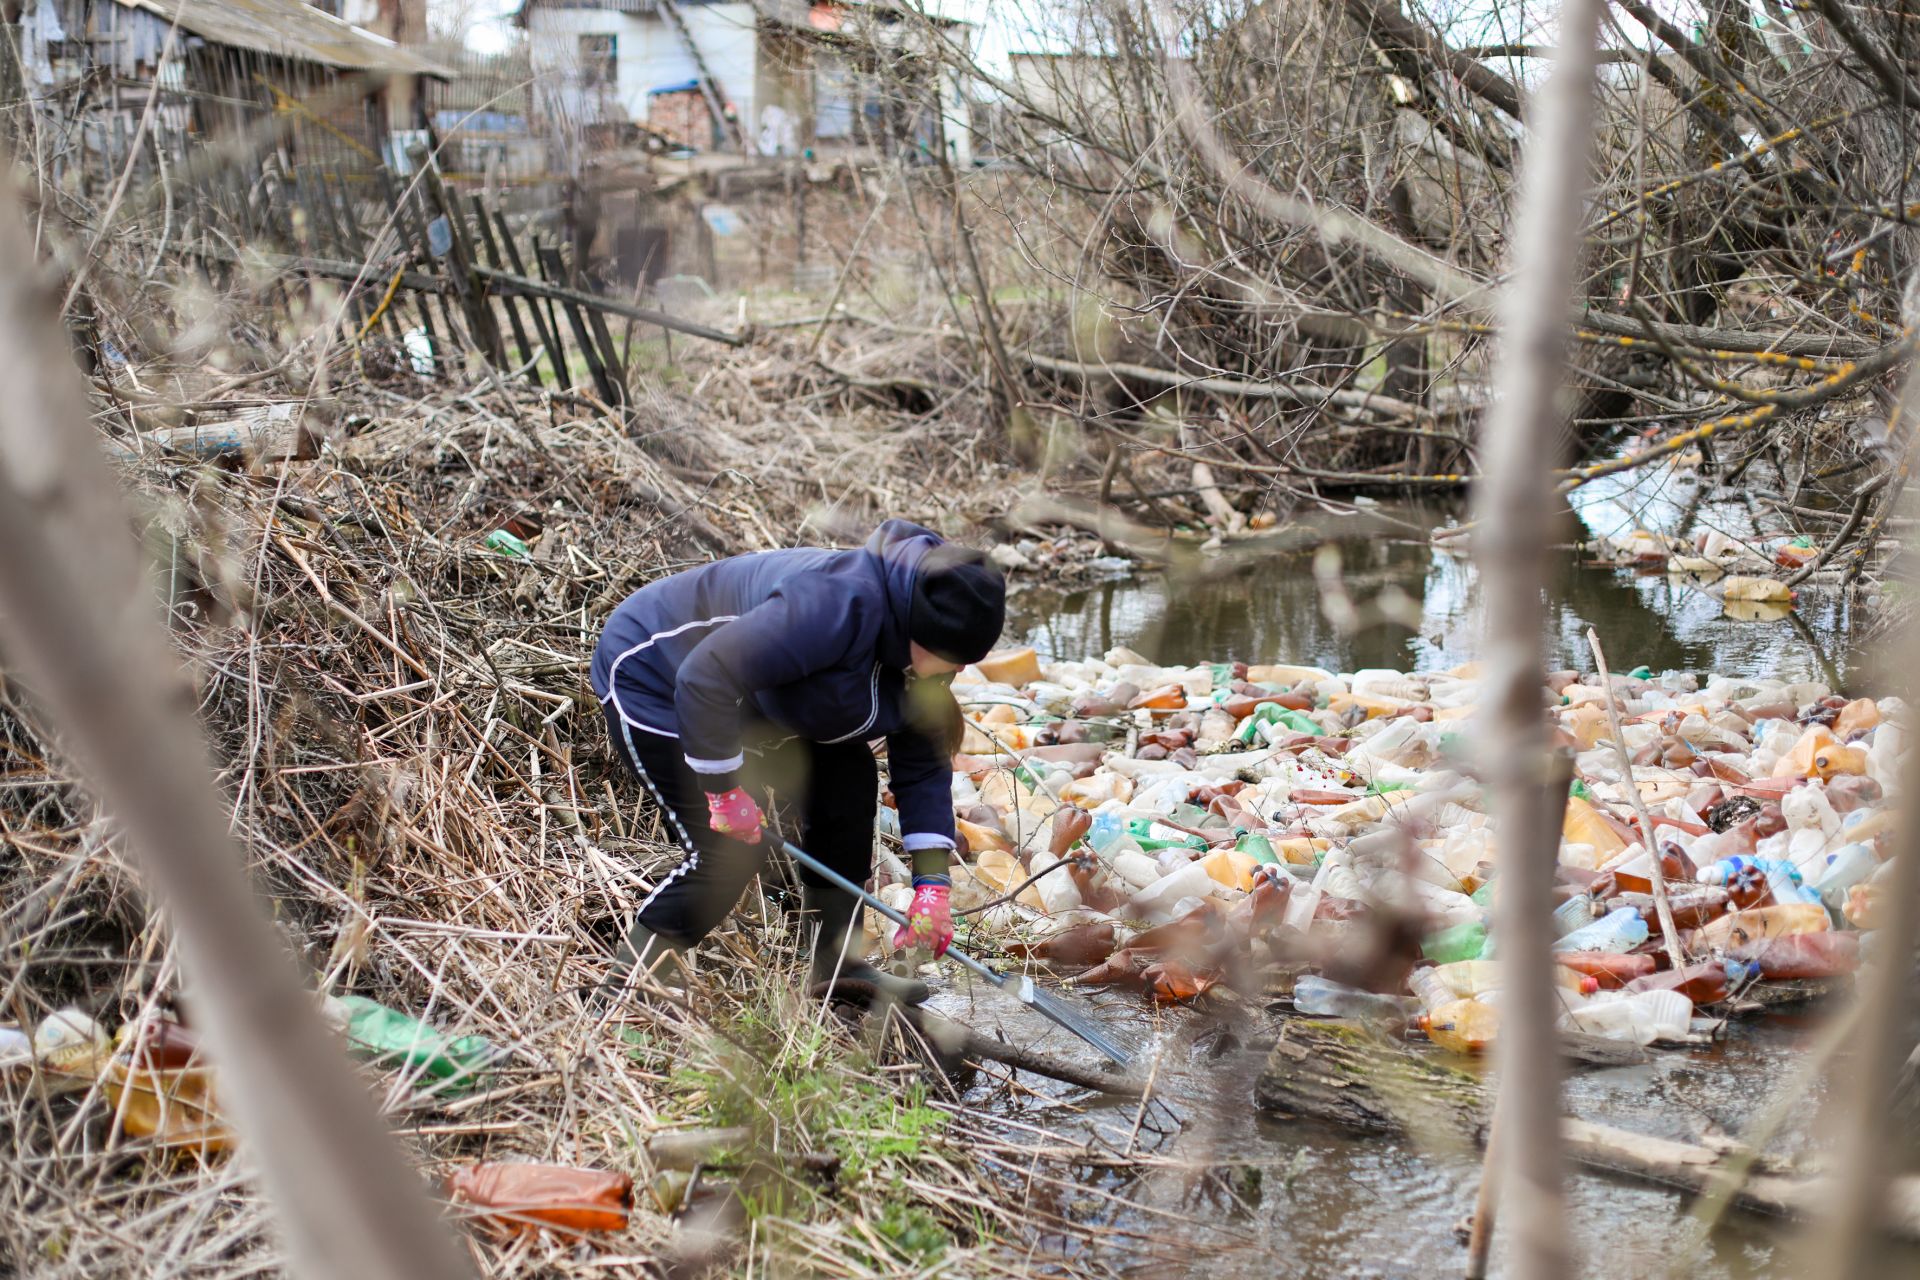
222, 65
766, 79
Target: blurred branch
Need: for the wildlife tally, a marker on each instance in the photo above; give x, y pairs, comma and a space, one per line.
1521, 436
100, 661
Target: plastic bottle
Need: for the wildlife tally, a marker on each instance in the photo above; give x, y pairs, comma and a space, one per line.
1257, 847
1264, 713
1327, 999
175, 1107
1461, 942
1609, 971
1189, 881
1584, 825
1465, 978
1801, 955
68, 1042
1616, 932
1464, 1026
1575, 913
1640, 1018
1783, 881
393, 1039
1737, 928
1057, 889
1758, 590
1745, 883
1702, 983
1432, 989
1134, 868
1846, 868
1231, 868
1302, 904
521, 1198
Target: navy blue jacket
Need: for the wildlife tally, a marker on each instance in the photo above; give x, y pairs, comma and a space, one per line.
803, 642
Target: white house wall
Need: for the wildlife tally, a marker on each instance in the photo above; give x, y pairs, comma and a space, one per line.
650, 54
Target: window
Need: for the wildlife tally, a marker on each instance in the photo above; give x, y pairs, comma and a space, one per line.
832, 98
599, 60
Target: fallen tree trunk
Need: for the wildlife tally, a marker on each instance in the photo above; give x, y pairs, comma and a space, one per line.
1343, 1074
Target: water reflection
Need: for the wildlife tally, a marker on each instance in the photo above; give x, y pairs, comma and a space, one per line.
1270, 610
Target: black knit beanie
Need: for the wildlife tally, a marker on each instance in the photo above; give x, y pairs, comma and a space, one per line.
959, 604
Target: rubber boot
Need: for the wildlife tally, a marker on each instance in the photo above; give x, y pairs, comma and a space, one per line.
833, 910
663, 960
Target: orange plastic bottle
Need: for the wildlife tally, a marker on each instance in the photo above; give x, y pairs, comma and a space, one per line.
1862, 713
1168, 697
175, 1107
1464, 1026
1739, 927
524, 1197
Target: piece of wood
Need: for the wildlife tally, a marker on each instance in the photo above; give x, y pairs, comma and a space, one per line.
554, 268
485, 229
1345, 1074
1684, 1165
542, 308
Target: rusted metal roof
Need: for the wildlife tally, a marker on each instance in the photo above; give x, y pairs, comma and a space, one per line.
290, 29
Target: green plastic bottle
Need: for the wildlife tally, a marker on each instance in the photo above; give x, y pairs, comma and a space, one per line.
1257, 847
1264, 713
391, 1038
1461, 942
508, 545
1300, 722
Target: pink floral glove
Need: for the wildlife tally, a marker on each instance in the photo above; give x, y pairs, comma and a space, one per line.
929, 916
733, 813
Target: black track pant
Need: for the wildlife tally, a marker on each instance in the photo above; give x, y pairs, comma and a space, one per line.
832, 787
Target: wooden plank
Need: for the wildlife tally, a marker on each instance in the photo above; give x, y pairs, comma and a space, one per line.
403, 227
467, 287
492, 250
552, 266
544, 321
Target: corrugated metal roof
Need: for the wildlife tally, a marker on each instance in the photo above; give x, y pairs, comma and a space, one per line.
290, 29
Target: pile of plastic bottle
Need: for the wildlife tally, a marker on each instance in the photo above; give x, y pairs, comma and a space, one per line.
1172, 828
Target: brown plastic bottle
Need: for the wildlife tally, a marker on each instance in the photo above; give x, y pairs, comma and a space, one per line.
1703, 983
1611, 971
525, 1197
1802, 955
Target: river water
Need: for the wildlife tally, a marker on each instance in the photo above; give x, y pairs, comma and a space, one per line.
1234, 1193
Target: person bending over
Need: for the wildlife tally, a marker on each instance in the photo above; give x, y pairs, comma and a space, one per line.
774, 672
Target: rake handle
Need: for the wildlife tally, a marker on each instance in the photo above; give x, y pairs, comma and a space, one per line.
833, 877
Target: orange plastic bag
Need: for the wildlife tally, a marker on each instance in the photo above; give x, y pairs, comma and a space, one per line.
520, 1198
